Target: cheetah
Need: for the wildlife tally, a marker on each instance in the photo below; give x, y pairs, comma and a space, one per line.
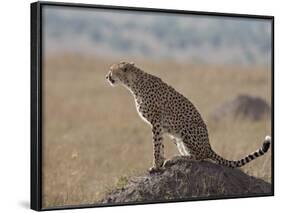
169, 112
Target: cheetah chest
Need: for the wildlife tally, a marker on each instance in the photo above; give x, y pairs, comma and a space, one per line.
141, 113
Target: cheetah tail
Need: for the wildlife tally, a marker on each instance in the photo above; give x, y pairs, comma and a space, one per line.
238, 163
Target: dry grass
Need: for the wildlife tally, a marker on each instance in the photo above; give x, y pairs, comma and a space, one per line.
93, 135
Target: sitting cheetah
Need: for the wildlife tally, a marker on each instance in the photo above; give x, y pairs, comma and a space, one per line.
168, 111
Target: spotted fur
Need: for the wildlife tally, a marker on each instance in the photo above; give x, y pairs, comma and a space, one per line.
168, 111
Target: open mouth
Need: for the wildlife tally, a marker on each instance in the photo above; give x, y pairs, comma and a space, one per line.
109, 78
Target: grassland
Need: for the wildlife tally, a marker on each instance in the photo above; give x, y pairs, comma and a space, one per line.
94, 139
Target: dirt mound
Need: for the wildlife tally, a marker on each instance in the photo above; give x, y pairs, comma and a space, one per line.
188, 179
243, 106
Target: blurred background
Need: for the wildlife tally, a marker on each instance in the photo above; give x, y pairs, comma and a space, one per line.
93, 138
184, 38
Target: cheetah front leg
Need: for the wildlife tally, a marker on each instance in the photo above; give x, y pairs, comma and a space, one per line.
158, 148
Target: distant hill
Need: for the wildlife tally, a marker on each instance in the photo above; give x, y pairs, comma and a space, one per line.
189, 38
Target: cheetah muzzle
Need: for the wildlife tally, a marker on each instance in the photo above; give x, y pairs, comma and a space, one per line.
169, 112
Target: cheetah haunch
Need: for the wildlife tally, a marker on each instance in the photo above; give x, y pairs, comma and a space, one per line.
168, 111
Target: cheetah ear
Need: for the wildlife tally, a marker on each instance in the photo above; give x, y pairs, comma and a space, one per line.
132, 63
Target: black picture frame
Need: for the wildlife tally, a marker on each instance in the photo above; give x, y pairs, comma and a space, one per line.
37, 100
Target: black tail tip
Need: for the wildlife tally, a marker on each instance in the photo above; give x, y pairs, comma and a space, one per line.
266, 143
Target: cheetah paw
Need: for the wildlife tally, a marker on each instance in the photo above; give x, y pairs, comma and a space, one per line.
169, 163
175, 160
155, 169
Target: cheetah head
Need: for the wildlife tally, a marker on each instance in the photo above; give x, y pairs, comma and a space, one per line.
120, 73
